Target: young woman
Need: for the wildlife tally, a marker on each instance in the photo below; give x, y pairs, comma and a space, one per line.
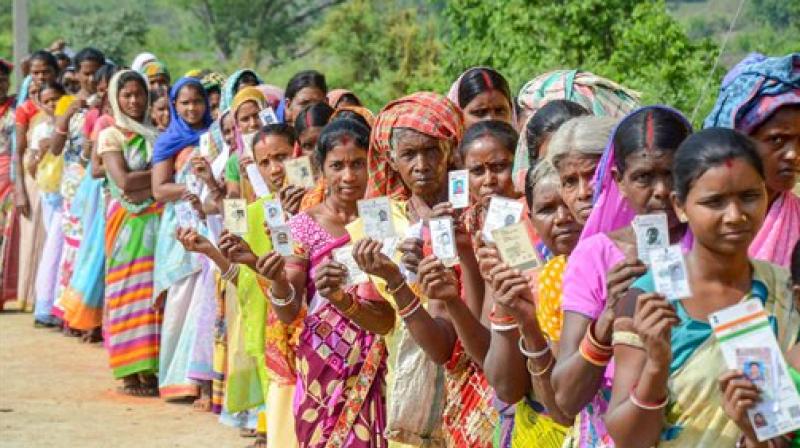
666, 355
157, 75
633, 178
340, 352
482, 93
761, 97
185, 278
599, 95
304, 88
537, 311
159, 108
236, 82
9, 229
132, 322
309, 124
544, 122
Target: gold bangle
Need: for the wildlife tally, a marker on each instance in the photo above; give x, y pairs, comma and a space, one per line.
352, 309
532, 369
392, 291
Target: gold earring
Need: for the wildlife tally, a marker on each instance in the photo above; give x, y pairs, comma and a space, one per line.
682, 218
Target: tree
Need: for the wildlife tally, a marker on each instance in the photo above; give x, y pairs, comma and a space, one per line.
273, 27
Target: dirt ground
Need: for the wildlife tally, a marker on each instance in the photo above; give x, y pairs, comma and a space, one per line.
58, 392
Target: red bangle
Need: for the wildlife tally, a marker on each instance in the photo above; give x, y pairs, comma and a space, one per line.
403, 311
592, 355
590, 334
500, 320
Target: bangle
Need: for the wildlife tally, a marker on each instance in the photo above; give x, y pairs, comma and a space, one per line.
592, 355
351, 310
534, 372
410, 309
281, 302
233, 269
593, 341
534, 355
393, 291
503, 327
493, 318
59, 131
647, 406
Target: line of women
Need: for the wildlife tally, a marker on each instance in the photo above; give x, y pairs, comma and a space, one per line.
121, 230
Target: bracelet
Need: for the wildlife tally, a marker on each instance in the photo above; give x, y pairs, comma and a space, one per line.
233, 269
393, 291
59, 131
534, 355
647, 406
533, 372
593, 341
410, 309
351, 310
281, 302
493, 318
628, 338
592, 355
503, 327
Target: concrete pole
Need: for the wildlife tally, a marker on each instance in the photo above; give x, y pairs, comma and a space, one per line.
21, 38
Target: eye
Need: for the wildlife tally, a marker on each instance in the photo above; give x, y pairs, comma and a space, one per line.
477, 171
777, 140
337, 165
358, 164
751, 196
643, 178
713, 202
569, 181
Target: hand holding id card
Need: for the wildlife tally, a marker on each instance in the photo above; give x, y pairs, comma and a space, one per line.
273, 213
651, 233
235, 215
355, 276
458, 188
669, 273
299, 173
502, 213
376, 214
748, 344
443, 240
282, 242
515, 244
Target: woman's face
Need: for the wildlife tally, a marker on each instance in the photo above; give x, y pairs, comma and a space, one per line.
552, 219
86, 75
489, 165
247, 117
345, 171
159, 81
213, 102
133, 100
308, 139
491, 105
70, 82
102, 88
779, 147
191, 106
270, 153
159, 113
227, 130
304, 97
647, 183
726, 207
576, 172
41, 72
421, 161
48, 100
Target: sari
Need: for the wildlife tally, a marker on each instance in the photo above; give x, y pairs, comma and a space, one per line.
750, 93
601, 96
694, 415
339, 400
9, 222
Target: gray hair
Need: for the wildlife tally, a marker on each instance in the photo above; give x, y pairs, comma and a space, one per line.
587, 136
399, 134
542, 173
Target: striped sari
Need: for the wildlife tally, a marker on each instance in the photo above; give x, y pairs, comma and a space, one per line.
132, 325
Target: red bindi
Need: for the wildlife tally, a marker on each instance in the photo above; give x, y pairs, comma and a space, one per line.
345, 139
729, 163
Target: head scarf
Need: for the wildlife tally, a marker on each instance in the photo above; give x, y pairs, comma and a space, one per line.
611, 211
194, 73
227, 89
425, 112
244, 95
601, 96
141, 59
365, 113
122, 121
155, 68
754, 89
213, 79
336, 94
272, 94
180, 134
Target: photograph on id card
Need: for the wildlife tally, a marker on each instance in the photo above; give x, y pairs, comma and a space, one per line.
355, 276
651, 232
669, 273
443, 240
273, 213
282, 240
235, 215
268, 116
516, 248
299, 173
376, 214
458, 188
502, 212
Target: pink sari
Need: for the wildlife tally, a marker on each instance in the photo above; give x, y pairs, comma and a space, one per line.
780, 231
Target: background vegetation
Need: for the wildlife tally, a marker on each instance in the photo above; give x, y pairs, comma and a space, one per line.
384, 49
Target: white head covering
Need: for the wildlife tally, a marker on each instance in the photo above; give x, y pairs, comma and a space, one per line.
141, 59
143, 128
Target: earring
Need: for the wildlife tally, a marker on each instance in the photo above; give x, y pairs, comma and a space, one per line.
682, 218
